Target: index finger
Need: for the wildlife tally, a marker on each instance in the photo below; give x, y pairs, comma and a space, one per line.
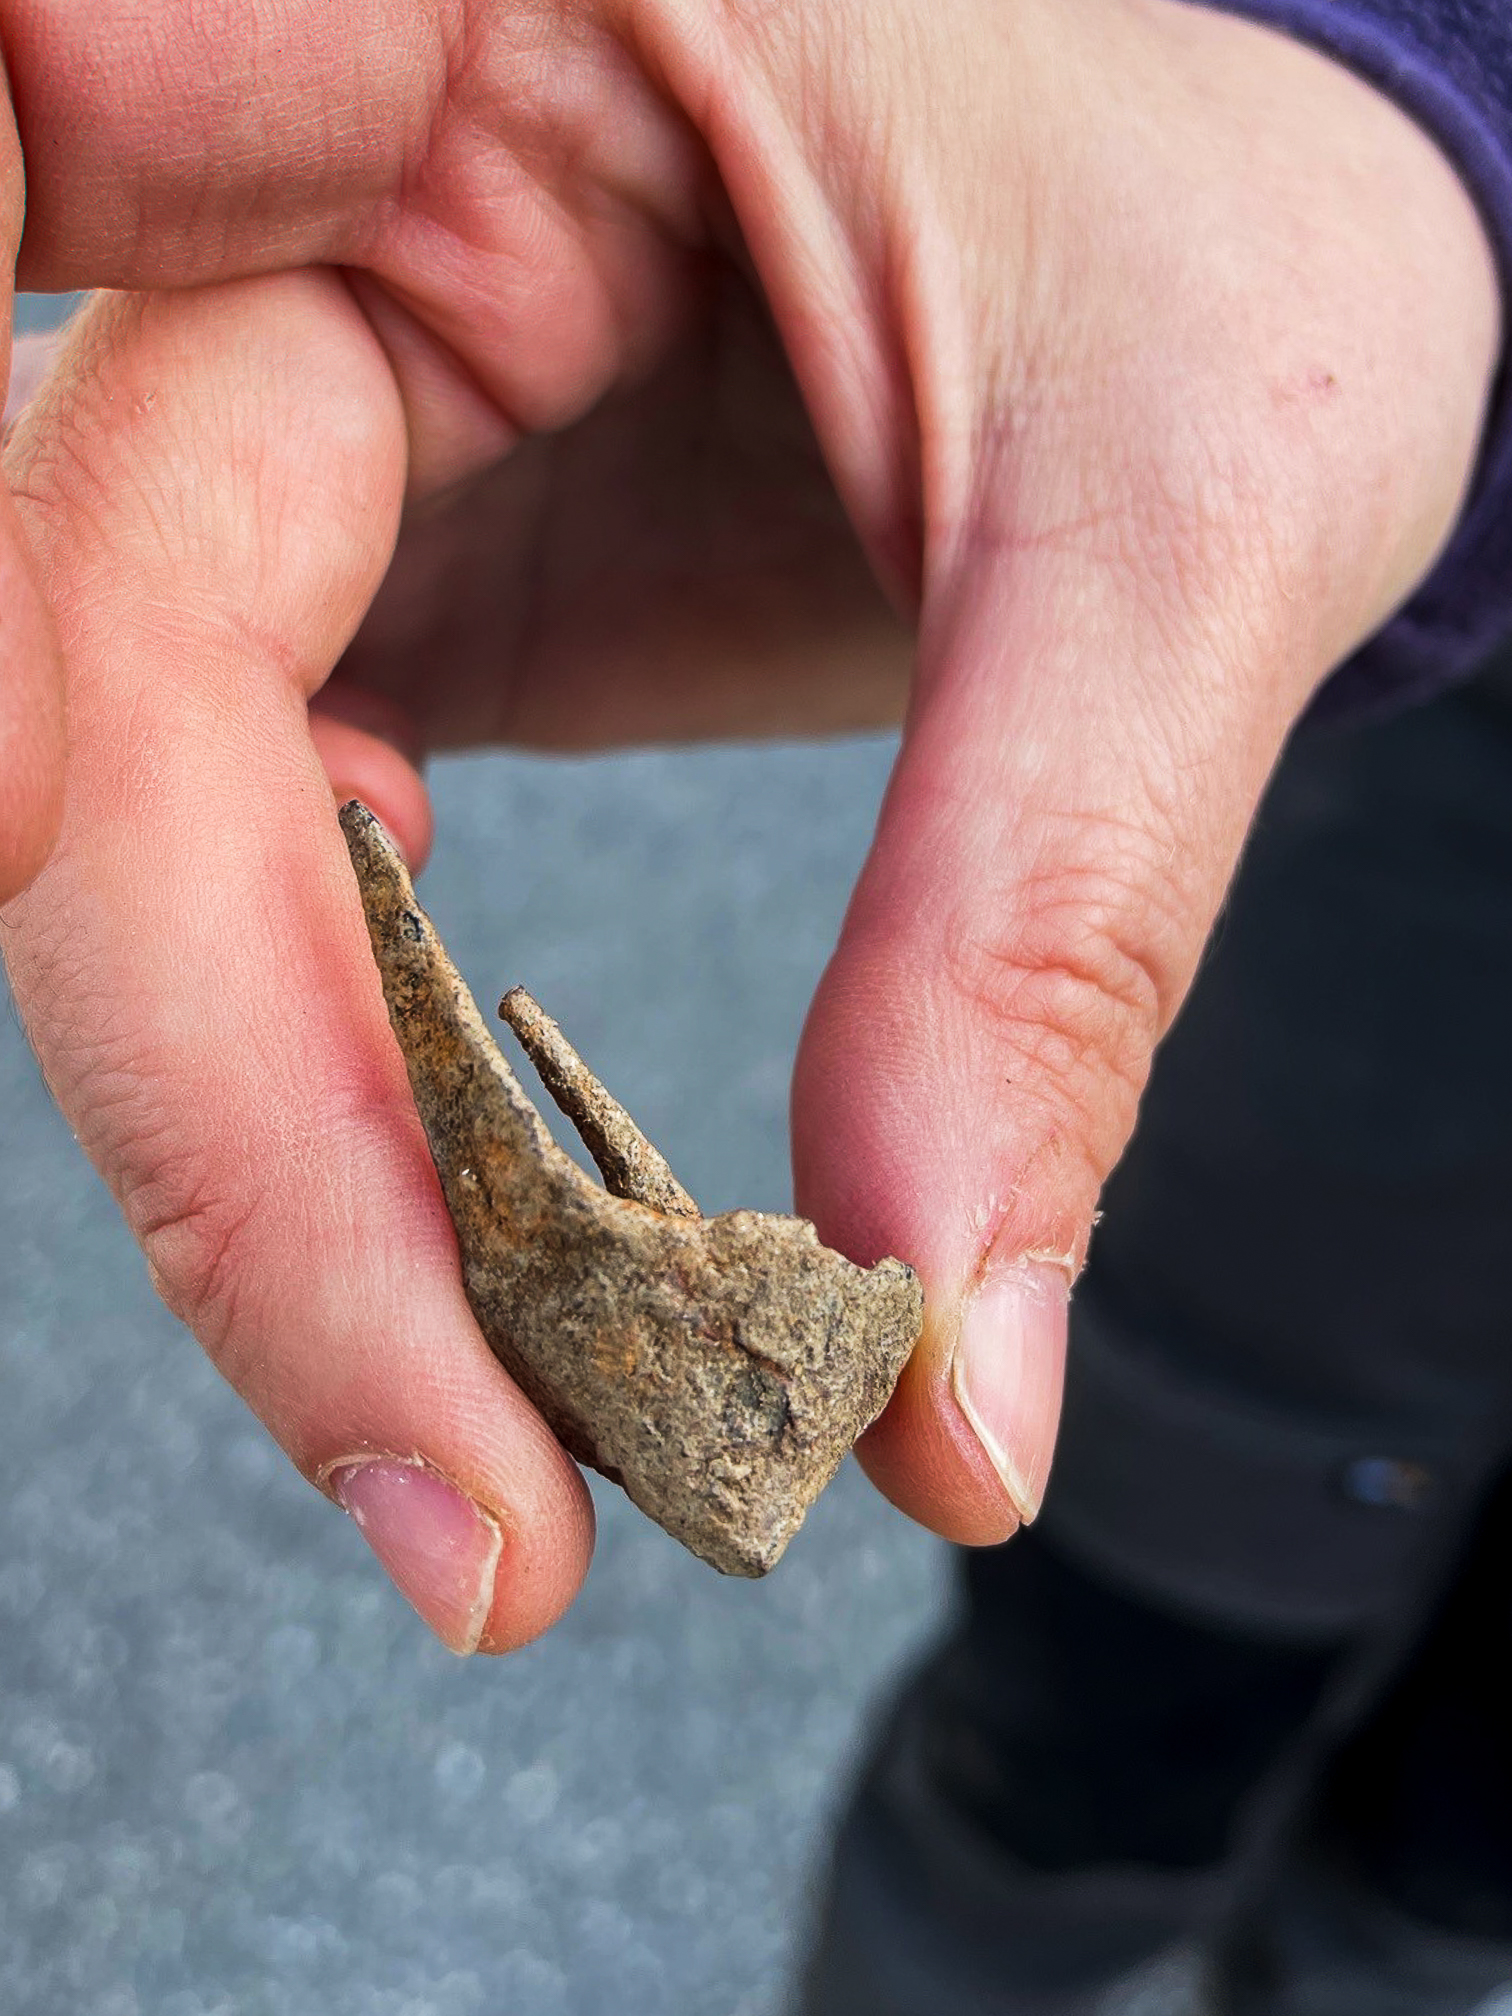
212, 483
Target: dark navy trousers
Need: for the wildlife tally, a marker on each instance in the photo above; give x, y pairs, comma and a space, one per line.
1291, 1361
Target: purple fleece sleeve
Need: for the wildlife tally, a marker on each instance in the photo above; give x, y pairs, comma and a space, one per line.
1449, 64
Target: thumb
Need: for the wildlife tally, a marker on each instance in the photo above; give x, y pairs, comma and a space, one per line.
1075, 781
1191, 412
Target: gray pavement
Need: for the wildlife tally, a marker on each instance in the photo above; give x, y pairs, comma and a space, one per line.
236, 1777
36, 312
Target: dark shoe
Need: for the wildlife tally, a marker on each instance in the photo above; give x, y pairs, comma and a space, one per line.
928, 1916
1397, 1898
1041, 1827
1326, 1942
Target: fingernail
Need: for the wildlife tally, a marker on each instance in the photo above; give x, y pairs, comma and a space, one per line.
440, 1550
1007, 1373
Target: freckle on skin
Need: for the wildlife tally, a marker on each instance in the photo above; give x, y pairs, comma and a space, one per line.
1312, 388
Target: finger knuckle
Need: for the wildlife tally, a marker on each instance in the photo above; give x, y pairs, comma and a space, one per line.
196, 1234
190, 1199
1068, 974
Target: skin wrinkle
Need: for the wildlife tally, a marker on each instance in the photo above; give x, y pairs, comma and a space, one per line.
1072, 1058
199, 1231
103, 73
196, 1245
136, 495
1038, 1143
548, 165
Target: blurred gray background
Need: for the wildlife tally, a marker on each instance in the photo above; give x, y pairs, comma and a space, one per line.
235, 1773
42, 311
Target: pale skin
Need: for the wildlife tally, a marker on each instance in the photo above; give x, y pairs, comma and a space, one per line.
1078, 382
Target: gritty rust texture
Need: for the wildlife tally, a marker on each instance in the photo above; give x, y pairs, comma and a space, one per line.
717, 1368
630, 1166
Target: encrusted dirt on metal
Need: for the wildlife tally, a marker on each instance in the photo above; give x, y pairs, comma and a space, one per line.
717, 1368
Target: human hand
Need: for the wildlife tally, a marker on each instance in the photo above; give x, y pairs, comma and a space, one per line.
1147, 353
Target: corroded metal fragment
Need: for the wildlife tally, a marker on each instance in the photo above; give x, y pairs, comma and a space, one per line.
718, 1368
626, 1160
